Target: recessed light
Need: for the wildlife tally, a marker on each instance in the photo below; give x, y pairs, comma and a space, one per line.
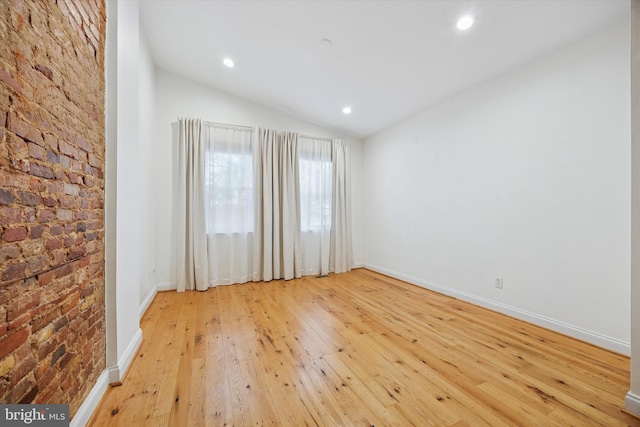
465, 22
346, 110
228, 62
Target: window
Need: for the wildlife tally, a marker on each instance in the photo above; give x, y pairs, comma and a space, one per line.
315, 169
229, 182
315, 194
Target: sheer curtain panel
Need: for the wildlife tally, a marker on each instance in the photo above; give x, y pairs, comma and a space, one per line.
192, 270
229, 203
314, 157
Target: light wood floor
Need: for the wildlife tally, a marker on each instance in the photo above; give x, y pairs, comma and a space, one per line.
357, 349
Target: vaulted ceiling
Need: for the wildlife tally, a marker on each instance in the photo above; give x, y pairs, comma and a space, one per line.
385, 59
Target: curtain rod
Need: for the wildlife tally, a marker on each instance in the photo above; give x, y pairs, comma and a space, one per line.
314, 137
250, 129
228, 125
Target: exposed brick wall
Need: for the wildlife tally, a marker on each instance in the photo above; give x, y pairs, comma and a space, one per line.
52, 326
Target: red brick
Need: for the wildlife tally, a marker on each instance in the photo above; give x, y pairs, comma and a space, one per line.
63, 270
14, 234
14, 271
60, 323
10, 215
35, 232
69, 303
37, 152
64, 215
28, 214
46, 215
43, 372
14, 180
24, 129
18, 149
10, 81
42, 171
6, 197
81, 263
28, 198
68, 149
21, 389
74, 178
52, 157
55, 187
52, 142
52, 134
49, 202
19, 321
53, 244
68, 202
58, 256
58, 353
37, 184
83, 144
21, 369
95, 161
12, 342
37, 264
44, 319
45, 278
89, 181
46, 395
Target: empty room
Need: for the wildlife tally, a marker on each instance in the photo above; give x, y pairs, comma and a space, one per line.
327, 213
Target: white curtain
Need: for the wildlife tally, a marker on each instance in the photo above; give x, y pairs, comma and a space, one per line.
341, 254
277, 221
315, 204
229, 202
191, 252
259, 205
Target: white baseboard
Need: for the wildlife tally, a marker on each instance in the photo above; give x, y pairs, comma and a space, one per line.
166, 286
595, 338
632, 403
147, 301
111, 375
81, 418
116, 373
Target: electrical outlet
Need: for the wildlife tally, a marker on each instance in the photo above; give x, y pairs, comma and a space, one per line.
499, 282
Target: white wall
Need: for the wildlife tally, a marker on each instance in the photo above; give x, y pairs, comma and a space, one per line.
146, 158
178, 97
122, 189
525, 177
632, 400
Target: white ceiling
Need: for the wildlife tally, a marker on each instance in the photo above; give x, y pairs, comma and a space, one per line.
388, 60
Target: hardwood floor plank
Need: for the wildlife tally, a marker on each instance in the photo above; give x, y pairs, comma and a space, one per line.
357, 348
165, 400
